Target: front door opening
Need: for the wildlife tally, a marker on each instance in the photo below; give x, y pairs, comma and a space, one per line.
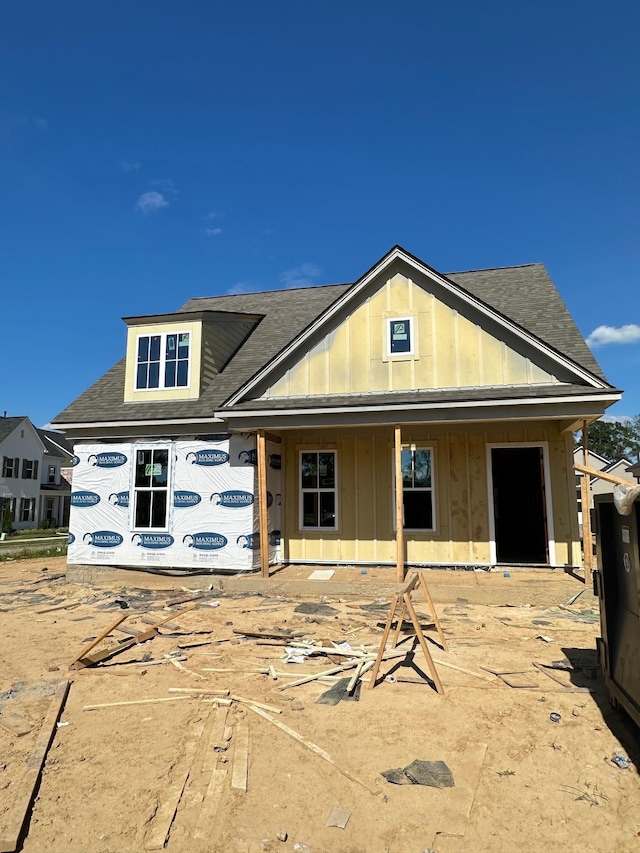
519, 505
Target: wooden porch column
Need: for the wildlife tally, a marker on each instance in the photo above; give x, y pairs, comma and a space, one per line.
399, 507
262, 503
585, 496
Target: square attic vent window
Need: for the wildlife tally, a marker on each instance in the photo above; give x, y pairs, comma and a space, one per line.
399, 336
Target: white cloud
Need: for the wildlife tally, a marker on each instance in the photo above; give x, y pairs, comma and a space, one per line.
211, 215
603, 335
129, 165
302, 276
165, 184
617, 419
211, 232
151, 202
240, 287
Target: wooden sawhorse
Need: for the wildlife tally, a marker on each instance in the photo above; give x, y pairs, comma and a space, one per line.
402, 599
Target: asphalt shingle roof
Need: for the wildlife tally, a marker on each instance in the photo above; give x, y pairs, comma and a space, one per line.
524, 294
7, 425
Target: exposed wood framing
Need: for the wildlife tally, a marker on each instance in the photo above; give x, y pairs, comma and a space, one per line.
262, 503
603, 475
585, 492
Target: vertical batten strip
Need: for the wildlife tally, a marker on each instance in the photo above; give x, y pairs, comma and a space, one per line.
262, 503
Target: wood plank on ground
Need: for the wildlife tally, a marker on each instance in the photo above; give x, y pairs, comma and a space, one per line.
240, 756
25, 788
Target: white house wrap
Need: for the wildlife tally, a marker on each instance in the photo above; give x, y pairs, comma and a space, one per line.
200, 500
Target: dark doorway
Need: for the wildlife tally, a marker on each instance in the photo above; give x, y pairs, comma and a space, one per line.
519, 505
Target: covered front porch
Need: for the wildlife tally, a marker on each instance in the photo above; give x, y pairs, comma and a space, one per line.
465, 495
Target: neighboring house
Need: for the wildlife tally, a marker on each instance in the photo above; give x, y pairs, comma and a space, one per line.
55, 487
634, 470
598, 486
30, 481
306, 400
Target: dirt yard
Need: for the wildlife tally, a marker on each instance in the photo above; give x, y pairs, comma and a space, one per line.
133, 777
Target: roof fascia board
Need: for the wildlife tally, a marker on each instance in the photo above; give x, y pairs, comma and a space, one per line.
397, 253
184, 316
333, 420
229, 414
168, 422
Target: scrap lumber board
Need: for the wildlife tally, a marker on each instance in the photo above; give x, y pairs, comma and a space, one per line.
313, 747
163, 818
84, 659
215, 738
15, 723
240, 756
206, 819
10, 836
101, 636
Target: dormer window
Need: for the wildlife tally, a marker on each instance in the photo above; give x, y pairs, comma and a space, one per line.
163, 361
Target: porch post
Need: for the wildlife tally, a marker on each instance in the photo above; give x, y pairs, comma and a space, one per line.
399, 507
585, 495
262, 503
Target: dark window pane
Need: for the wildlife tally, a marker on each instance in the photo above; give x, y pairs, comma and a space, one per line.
422, 468
406, 462
310, 509
141, 377
400, 335
327, 509
143, 509
143, 349
170, 374
159, 509
154, 375
183, 346
309, 471
143, 468
418, 513
155, 348
160, 467
183, 373
326, 470
170, 351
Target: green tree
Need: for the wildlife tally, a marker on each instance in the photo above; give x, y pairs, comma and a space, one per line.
614, 439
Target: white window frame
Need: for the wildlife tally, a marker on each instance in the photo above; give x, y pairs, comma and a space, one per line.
135, 489
412, 325
52, 475
302, 491
28, 504
432, 489
163, 358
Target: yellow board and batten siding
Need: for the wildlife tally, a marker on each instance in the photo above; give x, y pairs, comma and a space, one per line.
365, 504
450, 351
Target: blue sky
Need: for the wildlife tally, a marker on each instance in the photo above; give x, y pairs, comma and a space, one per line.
152, 151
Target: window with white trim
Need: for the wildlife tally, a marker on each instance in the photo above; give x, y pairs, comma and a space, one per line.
151, 489
318, 504
163, 361
27, 509
52, 475
417, 488
399, 336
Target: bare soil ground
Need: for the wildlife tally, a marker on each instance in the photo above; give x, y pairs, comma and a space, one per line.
114, 777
